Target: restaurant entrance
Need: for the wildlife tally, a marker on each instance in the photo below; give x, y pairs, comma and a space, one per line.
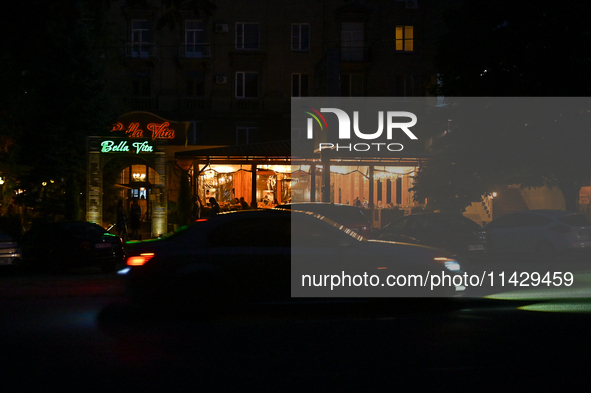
129, 178
126, 174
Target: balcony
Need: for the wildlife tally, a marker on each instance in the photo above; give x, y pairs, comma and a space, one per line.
141, 50
195, 51
194, 104
141, 103
354, 54
247, 105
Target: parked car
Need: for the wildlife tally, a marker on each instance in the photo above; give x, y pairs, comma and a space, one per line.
452, 232
350, 216
253, 256
63, 245
10, 252
539, 231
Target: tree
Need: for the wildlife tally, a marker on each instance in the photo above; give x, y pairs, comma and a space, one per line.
171, 15
54, 95
511, 49
72, 200
506, 48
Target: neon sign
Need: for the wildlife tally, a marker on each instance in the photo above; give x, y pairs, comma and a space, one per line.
158, 130
123, 147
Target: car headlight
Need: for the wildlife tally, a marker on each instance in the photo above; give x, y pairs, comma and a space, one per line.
452, 265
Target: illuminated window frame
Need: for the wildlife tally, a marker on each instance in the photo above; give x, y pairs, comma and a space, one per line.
404, 38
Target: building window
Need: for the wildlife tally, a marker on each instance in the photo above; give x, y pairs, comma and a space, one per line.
141, 84
247, 85
406, 85
247, 35
194, 39
195, 84
351, 85
300, 36
140, 38
245, 135
404, 38
352, 41
299, 85
194, 132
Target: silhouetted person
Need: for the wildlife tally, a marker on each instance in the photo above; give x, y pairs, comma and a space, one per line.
215, 207
243, 203
121, 220
135, 217
196, 207
144, 206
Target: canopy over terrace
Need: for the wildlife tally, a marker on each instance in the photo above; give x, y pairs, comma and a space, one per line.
382, 176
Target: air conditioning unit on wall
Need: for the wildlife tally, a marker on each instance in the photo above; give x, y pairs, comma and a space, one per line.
221, 28
221, 79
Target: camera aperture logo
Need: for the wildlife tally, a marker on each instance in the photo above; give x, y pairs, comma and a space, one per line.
345, 129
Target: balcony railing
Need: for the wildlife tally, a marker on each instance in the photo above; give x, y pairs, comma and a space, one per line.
194, 103
142, 103
141, 50
247, 104
354, 54
195, 51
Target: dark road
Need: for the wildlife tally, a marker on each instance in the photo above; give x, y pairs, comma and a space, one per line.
77, 339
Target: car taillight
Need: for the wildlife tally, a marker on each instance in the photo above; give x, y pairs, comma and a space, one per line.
560, 229
139, 260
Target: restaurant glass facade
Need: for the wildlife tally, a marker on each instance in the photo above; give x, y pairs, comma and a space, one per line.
226, 183
348, 183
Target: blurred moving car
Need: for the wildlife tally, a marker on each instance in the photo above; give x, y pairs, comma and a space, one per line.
252, 256
452, 232
62, 245
539, 231
350, 216
10, 252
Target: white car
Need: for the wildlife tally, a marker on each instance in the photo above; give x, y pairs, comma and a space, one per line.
539, 231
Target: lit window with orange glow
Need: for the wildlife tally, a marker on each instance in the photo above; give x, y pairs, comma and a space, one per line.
405, 38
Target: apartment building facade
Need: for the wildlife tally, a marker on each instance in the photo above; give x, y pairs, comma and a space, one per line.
229, 75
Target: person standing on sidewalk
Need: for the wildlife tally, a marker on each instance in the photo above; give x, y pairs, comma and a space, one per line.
135, 216
196, 208
121, 221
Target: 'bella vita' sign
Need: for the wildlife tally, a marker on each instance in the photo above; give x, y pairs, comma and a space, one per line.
123, 146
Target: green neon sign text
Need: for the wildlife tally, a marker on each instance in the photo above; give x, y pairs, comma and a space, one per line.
123, 147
